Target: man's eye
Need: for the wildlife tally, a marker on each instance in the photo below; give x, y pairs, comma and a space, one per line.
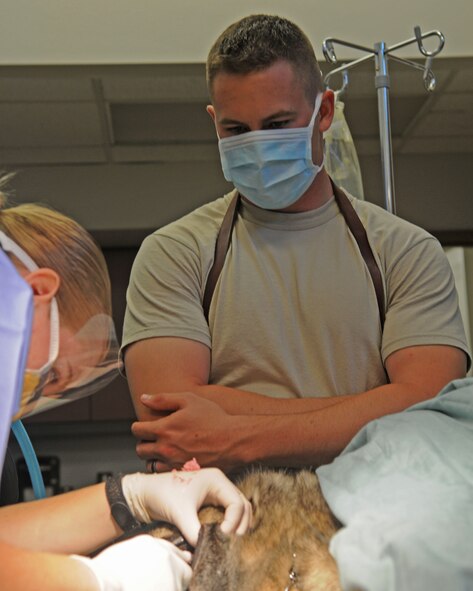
236, 130
277, 124
54, 376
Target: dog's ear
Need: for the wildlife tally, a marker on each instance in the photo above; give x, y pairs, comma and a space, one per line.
211, 562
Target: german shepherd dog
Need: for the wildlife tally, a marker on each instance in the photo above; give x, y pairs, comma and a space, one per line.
286, 548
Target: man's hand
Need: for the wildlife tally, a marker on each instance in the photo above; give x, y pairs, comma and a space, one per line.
228, 428
195, 427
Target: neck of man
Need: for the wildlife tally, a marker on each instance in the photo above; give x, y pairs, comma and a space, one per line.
317, 195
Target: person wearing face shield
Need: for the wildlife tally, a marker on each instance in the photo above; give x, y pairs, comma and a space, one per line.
57, 344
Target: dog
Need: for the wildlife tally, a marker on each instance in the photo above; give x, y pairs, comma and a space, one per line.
286, 547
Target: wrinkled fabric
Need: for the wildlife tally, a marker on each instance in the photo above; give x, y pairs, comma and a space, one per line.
403, 489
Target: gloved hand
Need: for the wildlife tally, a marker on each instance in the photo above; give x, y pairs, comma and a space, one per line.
177, 496
142, 563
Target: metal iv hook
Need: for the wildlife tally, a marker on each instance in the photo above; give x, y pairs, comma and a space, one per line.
429, 78
381, 54
341, 91
419, 37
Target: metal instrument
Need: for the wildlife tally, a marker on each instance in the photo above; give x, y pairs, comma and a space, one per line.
380, 53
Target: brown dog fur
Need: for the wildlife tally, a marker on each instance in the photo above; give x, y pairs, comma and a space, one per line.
286, 548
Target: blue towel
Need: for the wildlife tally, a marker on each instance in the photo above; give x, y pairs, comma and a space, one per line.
403, 489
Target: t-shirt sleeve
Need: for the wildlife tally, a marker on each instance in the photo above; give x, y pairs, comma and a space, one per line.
165, 293
422, 302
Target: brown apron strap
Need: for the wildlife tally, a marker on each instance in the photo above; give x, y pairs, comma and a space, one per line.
353, 222
221, 247
359, 233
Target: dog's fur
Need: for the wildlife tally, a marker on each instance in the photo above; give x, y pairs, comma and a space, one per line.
286, 549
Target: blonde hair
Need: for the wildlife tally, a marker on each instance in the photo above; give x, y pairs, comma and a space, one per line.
55, 241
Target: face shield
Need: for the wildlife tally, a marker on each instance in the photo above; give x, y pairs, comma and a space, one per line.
80, 362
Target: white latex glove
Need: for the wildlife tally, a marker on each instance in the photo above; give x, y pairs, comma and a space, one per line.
142, 563
177, 496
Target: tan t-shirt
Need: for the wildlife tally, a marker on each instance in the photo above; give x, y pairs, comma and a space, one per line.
294, 312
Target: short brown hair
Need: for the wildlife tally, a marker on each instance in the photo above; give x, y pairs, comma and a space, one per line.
258, 41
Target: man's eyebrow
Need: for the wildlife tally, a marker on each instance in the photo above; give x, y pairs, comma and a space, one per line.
226, 121
277, 115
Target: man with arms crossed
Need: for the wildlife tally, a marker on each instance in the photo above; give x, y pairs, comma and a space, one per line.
294, 358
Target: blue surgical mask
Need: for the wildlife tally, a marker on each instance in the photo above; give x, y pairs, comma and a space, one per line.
272, 168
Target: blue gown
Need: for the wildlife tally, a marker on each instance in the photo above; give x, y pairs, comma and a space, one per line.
16, 316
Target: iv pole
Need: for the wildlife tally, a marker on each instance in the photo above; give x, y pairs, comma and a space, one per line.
381, 53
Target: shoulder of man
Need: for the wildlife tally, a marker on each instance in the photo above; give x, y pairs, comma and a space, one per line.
389, 234
200, 226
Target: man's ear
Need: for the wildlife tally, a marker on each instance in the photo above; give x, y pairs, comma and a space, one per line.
211, 112
327, 110
44, 282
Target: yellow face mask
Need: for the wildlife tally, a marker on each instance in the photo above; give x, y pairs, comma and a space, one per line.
34, 380
31, 382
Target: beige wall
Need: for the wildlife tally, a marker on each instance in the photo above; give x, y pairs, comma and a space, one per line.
160, 31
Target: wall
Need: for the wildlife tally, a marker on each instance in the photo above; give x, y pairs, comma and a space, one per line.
159, 31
